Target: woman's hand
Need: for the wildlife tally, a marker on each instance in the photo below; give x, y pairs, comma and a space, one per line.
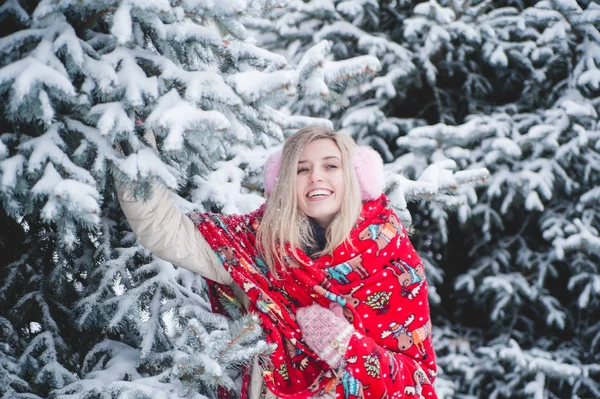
325, 333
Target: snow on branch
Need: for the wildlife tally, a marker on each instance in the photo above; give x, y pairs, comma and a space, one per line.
353, 68
26, 78
187, 30
428, 136
582, 237
112, 119
339, 29
207, 87
248, 53
310, 70
137, 85
50, 147
439, 182
66, 195
177, 116
294, 122
537, 360
255, 86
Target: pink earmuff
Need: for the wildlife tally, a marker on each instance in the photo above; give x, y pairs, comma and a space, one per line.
368, 166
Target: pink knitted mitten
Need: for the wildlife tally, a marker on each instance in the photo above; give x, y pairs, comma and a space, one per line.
325, 333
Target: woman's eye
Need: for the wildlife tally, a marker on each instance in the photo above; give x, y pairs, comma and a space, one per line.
302, 170
331, 166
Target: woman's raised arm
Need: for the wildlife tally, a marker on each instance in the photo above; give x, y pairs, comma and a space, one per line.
165, 231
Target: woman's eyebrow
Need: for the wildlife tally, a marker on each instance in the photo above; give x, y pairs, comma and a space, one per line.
322, 159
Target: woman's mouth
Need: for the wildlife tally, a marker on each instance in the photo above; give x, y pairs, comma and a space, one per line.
318, 193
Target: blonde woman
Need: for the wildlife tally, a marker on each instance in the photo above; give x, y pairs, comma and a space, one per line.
325, 263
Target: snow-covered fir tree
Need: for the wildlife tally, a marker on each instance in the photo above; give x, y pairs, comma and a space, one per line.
86, 312
511, 86
530, 267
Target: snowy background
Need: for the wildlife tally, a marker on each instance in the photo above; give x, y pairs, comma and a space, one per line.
484, 111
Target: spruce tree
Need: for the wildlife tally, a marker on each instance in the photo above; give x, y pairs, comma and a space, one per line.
511, 86
531, 263
86, 311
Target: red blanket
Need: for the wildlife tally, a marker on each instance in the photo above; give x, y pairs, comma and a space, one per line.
376, 276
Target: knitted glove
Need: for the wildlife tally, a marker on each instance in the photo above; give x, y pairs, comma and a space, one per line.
325, 333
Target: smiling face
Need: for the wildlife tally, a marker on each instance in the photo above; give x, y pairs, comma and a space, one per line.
320, 181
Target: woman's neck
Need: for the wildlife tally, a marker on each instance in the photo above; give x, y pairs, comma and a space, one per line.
320, 236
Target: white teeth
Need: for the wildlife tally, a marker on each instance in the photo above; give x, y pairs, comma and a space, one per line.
314, 193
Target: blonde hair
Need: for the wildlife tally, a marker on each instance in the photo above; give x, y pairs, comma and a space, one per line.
284, 223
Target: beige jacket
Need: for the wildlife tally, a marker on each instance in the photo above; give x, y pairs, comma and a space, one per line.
165, 231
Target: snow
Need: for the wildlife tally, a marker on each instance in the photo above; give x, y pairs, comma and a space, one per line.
208, 86
541, 17
113, 119
363, 116
439, 174
216, 7
104, 77
554, 33
389, 52
339, 29
465, 31
255, 85
92, 136
315, 86
590, 197
28, 73
539, 132
11, 43
349, 8
338, 70
48, 147
566, 5
157, 6
437, 38
11, 169
179, 116
507, 146
68, 40
224, 185
498, 58
533, 202
314, 58
3, 150
47, 110
187, 30
119, 375
132, 77
577, 109
146, 163
591, 78
16, 9
122, 24
461, 135
79, 198
415, 26
432, 9
581, 238
255, 56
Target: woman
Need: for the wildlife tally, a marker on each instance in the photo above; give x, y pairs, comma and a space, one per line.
325, 263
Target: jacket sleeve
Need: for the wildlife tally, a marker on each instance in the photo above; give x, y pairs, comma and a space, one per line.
165, 231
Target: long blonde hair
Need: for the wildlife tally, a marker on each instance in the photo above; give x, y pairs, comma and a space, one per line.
283, 222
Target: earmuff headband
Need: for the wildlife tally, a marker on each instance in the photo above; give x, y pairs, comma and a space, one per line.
368, 167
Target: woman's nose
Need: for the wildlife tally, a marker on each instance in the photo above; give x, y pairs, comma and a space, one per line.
315, 175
